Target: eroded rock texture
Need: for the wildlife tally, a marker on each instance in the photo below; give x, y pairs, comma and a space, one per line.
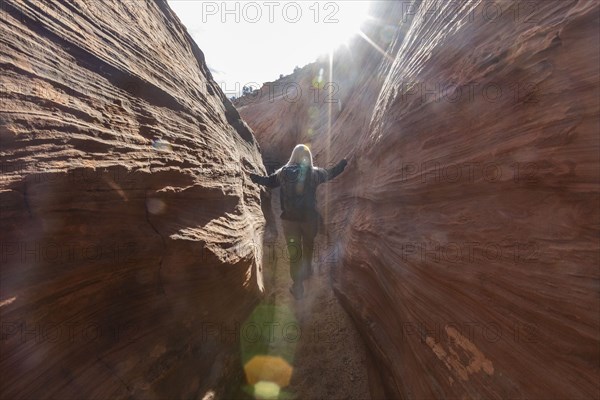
468, 217
127, 224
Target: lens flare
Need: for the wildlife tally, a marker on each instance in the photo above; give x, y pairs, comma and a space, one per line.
318, 81
266, 390
161, 145
268, 369
155, 206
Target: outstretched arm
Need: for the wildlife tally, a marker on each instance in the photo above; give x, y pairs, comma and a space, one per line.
335, 171
268, 181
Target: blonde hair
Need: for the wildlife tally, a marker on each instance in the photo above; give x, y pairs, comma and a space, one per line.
301, 155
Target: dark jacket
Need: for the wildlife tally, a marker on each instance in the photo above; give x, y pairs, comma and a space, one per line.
306, 181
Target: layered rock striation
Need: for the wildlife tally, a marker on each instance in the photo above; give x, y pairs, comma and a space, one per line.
129, 232
467, 220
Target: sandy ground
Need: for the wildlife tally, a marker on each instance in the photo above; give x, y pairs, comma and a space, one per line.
314, 334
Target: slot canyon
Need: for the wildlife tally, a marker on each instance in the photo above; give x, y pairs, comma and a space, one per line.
458, 255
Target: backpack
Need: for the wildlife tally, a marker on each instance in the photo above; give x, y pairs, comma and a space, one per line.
298, 193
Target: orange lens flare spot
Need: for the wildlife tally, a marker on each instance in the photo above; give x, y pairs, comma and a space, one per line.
268, 369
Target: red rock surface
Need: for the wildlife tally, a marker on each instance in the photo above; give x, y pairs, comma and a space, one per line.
468, 218
127, 224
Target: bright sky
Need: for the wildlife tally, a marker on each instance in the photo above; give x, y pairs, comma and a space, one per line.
252, 42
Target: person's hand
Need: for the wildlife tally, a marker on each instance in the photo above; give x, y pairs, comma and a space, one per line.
253, 177
247, 171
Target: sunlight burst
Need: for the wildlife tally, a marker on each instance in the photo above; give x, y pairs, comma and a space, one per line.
342, 23
259, 41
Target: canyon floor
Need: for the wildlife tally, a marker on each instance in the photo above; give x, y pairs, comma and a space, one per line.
329, 358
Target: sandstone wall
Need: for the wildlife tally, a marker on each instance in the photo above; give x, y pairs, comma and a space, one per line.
128, 228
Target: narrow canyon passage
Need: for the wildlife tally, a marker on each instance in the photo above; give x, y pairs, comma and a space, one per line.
138, 260
315, 335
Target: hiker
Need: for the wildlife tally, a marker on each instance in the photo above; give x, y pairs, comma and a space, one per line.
300, 219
